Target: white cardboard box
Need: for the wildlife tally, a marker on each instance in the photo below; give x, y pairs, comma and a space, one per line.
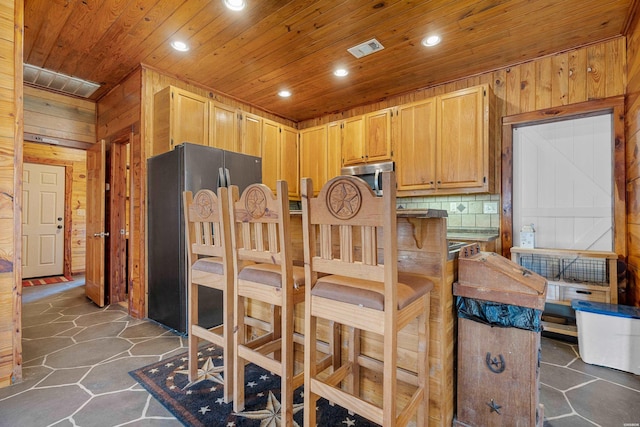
609, 335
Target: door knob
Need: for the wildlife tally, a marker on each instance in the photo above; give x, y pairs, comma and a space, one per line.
101, 234
59, 227
59, 218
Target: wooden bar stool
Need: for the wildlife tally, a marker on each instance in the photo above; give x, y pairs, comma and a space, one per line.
362, 290
261, 234
207, 230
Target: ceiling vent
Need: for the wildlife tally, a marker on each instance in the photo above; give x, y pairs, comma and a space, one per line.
59, 82
366, 48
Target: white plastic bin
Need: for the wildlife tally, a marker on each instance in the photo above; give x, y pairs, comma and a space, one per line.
608, 334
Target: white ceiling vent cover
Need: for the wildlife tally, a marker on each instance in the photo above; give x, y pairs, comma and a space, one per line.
60, 82
366, 48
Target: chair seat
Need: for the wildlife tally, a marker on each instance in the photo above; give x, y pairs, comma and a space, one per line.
214, 265
270, 274
370, 294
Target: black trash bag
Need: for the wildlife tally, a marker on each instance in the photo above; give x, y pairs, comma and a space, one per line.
499, 314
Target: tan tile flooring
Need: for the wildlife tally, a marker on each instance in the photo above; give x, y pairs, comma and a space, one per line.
77, 358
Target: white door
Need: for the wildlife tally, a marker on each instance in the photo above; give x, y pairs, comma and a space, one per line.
563, 183
42, 220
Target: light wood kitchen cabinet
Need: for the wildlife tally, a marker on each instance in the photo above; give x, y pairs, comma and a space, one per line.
463, 151
179, 116
313, 155
415, 145
223, 126
290, 155
443, 146
334, 149
367, 138
280, 157
251, 134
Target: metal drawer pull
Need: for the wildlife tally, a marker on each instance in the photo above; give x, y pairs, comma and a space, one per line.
495, 365
580, 291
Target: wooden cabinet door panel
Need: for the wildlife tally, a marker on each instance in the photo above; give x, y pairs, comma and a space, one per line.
460, 160
251, 139
416, 145
270, 154
353, 141
289, 170
378, 136
224, 127
313, 152
334, 149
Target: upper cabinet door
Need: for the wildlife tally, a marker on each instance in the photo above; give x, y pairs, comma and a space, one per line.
223, 126
179, 116
289, 155
334, 149
415, 145
377, 136
270, 154
251, 135
313, 155
353, 141
463, 150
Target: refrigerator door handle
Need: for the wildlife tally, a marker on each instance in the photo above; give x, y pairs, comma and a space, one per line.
221, 181
227, 177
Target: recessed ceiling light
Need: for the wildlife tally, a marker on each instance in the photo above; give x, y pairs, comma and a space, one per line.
340, 72
179, 46
235, 4
284, 93
431, 41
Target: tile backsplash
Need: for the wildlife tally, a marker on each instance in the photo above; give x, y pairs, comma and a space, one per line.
481, 211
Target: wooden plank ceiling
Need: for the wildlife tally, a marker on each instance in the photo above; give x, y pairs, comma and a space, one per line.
278, 44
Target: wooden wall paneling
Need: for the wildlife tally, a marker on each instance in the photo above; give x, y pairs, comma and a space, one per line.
596, 69
58, 116
120, 108
11, 130
527, 86
632, 295
560, 79
543, 83
615, 59
514, 89
577, 86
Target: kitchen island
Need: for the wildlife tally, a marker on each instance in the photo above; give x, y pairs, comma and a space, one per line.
423, 249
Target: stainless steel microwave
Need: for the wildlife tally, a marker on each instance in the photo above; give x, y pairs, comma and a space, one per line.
371, 173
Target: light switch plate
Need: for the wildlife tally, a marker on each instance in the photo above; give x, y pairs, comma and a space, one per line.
490, 207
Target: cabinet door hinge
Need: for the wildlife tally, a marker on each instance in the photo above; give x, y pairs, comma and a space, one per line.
484, 179
484, 92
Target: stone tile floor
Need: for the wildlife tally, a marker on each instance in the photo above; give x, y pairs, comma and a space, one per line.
77, 358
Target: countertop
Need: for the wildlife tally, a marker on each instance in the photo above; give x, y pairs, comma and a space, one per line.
407, 213
470, 235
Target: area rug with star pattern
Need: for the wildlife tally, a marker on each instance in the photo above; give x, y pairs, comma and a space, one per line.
201, 403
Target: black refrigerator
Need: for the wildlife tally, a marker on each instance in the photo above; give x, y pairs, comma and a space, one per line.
189, 167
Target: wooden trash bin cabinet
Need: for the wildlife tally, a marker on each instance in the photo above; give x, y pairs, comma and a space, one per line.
499, 306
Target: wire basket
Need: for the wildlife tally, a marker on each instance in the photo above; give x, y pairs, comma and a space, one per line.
546, 266
592, 271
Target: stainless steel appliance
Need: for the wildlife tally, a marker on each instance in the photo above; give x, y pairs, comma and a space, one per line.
189, 167
370, 172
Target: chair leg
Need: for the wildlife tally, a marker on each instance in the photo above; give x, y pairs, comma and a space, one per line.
353, 385
423, 364
287, 357
239, 337
389, 383
310, 366
228, 358
193, 340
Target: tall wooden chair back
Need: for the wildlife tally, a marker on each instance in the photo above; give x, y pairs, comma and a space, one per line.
261, 234
351, 258
207, 231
